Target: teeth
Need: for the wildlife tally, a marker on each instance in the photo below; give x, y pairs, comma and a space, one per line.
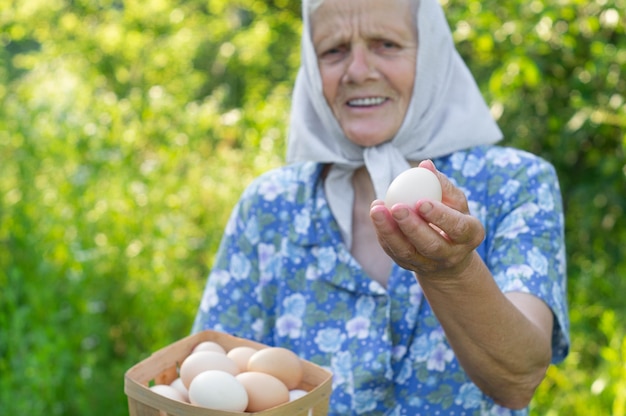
365, 102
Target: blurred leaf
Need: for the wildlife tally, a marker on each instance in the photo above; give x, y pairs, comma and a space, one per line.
129, 128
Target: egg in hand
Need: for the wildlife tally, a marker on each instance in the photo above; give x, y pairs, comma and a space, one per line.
411, 186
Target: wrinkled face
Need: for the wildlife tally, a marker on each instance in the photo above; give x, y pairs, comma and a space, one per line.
366, 52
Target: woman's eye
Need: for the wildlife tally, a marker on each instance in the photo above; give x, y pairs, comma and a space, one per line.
333, 53
385, 44
338, 49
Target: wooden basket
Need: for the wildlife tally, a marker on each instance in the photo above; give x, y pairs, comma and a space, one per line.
162, 368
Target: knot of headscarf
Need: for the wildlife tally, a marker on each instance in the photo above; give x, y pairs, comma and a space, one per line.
447, 113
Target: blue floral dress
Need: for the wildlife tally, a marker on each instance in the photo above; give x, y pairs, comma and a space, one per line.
283, 277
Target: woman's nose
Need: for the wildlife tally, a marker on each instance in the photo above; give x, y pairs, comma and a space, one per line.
359, 65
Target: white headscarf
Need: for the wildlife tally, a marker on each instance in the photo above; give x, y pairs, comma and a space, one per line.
447, 113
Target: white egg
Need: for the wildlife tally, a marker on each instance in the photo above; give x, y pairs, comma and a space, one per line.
201, 361
219, 390
178, 385
168, 391
296, 394
411, 186
208, 346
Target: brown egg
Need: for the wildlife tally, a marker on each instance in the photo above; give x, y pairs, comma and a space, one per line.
264, 390
201, 361
241, 356
279, 362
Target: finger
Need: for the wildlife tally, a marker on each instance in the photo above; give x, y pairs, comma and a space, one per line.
422, 238
433, 248
428, 164
450, 194
390, 236
459, 228
386, 227
382, 219
441, 232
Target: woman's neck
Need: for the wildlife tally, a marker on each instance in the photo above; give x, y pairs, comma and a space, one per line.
365, 247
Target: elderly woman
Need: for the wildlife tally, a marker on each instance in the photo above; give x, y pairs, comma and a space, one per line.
451, 307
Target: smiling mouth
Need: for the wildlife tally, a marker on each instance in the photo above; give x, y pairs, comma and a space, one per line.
366, 102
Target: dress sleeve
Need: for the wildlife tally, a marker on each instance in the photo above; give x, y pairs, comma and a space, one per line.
526, 251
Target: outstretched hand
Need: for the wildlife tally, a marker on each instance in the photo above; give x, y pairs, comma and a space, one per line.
433, 239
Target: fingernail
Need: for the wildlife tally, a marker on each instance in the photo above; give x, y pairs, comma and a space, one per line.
425, 207
400, 214
428, 162
377, 216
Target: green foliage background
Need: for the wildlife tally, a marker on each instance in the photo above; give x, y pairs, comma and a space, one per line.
129, 128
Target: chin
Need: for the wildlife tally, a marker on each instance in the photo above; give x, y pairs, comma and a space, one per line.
367, 139
370, 133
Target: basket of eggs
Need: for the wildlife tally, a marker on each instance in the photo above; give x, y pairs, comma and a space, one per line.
216, 374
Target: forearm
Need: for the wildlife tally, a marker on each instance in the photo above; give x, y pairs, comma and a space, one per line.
502, 349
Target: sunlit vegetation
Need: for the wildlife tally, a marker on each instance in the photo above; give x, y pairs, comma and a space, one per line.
129, 128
